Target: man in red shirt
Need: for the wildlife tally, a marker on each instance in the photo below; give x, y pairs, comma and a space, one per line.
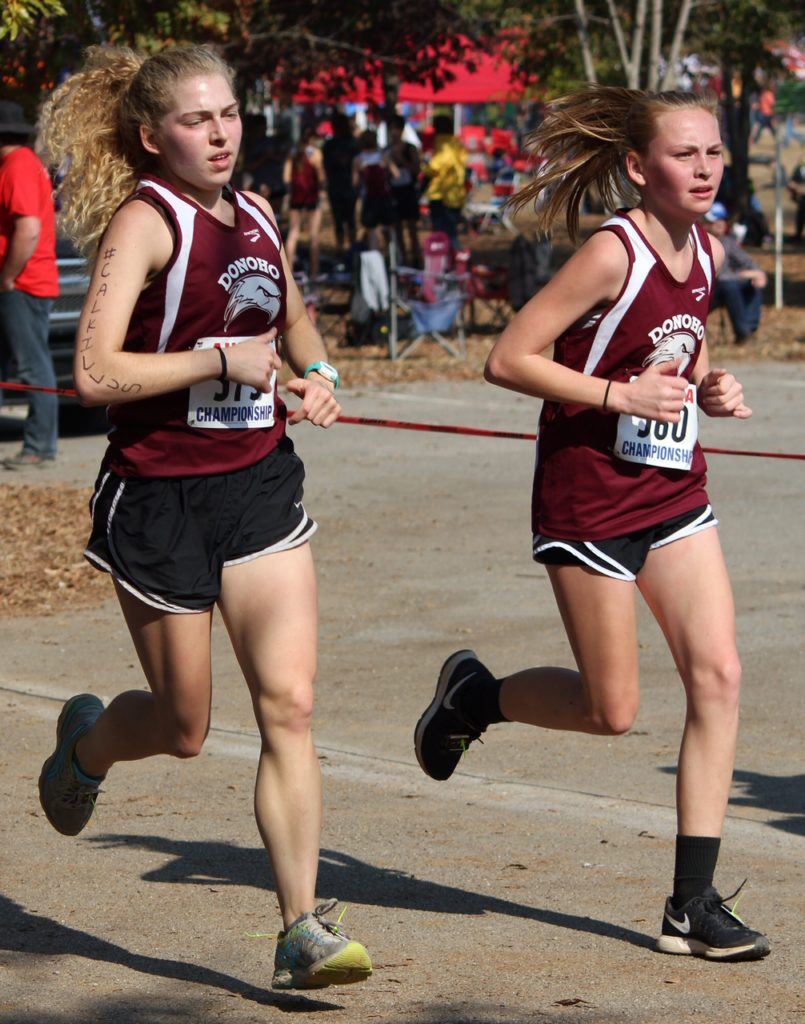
29, 282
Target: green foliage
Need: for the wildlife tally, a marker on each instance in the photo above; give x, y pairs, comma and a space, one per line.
20, 17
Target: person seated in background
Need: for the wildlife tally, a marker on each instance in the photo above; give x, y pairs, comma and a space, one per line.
739, 287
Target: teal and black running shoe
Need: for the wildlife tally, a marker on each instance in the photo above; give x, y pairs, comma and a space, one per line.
315, 953
67, 797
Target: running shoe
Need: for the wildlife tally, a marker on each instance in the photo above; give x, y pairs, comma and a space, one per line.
67, 796
315, 953
706, 927
443, 733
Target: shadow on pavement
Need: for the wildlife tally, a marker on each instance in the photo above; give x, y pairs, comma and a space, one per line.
469, 1013
778, 794
351, 880
34, 935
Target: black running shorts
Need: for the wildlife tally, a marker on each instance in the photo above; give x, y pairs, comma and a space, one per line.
168, 539
622, 557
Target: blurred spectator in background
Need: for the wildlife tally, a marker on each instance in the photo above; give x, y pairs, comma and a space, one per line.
446, 173
264, 161
402, 159
304, 178
796, 189
29, 281
370, 175
739, 286
339, 152
764, 112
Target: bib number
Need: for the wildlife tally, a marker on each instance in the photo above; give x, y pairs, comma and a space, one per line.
226, 405
664, 445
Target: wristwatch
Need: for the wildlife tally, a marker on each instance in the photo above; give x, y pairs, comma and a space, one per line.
326, 370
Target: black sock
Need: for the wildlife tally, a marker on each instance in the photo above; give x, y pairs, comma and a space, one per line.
479, 700
695, 866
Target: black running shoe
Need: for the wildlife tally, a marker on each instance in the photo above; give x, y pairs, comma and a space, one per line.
443, 733
705, 927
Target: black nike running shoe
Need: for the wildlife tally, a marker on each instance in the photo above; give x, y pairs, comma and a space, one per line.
705, 927
443, 733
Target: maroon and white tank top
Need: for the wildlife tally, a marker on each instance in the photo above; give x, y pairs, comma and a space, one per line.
223, 284
600, 475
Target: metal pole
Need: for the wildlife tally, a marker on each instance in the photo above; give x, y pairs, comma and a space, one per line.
778, 219
393, 296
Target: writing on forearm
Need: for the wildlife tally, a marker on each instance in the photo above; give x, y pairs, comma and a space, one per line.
86, 343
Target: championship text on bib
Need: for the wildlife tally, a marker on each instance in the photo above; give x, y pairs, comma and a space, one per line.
225, 405
664, 445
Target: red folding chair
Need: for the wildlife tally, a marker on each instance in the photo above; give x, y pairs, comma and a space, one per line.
489, 288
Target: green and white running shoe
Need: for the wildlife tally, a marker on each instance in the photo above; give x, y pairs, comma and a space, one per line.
315, 953
68, 796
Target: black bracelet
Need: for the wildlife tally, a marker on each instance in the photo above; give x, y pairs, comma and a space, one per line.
606, 396
224, 371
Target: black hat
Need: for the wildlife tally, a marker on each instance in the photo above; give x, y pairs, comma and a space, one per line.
12, 121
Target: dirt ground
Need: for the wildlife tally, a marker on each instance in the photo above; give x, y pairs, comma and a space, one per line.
528, 888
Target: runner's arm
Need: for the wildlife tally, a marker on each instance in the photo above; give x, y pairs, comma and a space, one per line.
591, 278
302, 345
136, 246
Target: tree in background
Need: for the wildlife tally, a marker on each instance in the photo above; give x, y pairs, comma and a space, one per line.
48, 44
407, 40
740, 34
639, 44
404, 40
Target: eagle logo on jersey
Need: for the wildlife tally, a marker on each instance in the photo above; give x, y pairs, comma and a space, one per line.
253, 290
680, 345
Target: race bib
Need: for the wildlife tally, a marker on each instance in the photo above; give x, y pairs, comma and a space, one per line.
225, 405
665, 445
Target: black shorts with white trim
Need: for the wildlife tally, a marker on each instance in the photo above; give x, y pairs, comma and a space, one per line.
622, 557
167, 540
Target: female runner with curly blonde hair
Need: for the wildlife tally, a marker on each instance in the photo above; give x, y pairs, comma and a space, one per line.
619, 500
198, 502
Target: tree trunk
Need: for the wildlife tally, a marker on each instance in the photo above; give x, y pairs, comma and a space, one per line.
637, 41
740, 152
654, 46
669, 78
584, 41
617, 28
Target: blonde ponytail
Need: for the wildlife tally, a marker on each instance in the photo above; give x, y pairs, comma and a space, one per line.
80, 139
583, 142
90, 129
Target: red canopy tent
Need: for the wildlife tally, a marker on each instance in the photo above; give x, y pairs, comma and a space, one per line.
491, 81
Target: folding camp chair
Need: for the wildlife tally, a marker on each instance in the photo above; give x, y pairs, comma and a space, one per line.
483, 214
489, 289
434, 296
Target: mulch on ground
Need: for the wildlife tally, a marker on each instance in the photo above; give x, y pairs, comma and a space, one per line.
43, 530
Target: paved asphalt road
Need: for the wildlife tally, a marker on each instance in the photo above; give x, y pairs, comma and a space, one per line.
528, 888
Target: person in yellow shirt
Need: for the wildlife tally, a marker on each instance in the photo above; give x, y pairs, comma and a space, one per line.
446, 175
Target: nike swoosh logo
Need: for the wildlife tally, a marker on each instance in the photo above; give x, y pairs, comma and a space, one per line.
681, 926
448, 697
297, 504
